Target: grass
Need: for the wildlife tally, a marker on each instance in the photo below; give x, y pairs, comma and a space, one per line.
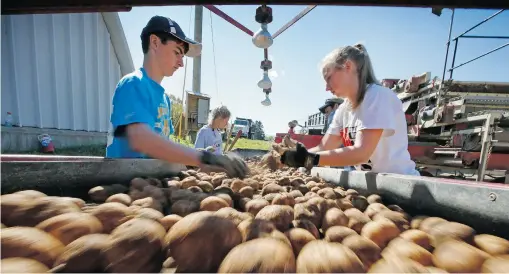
100, 150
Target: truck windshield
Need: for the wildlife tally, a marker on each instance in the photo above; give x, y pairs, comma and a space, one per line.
241, 122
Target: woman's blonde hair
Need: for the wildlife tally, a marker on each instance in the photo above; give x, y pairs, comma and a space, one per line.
357, 54
219, 112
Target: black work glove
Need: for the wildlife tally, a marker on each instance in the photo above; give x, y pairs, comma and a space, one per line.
300, 157
231, 163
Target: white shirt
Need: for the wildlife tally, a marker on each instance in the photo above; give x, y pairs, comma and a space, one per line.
380, 109
208, 136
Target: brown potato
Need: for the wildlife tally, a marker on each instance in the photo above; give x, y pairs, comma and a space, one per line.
451, 230
280, 215
185, 207
135, 246
22, 265
237, 185
356, 219
31, 243
189, 182
200, 241
233, 215
397, 266
418, 237
254, 206
334, 217
327, 193
417, 220
400, 248
169, 220
68, 227
308, 211
206, 186
148, 202
344, 204
283, 199
263, 255
367, 251
307, 225
226, 197
491, 244
83, 254
398, 218
299, 237
374, 198
456, 256
272, 188
337, 234
112, 215
325, 257
31, 193
381, 232
360, 202
148, 213
374, 208
120, 198
427, 223
212, 203
246, 191
497, 264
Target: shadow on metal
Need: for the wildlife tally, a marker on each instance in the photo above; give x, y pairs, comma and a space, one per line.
480, 205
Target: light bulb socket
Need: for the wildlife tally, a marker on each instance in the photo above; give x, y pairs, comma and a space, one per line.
263, 15
267, 91
266, 65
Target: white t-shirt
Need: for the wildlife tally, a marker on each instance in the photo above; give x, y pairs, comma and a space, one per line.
208, 136
380, 109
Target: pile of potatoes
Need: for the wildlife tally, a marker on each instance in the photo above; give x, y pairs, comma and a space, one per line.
275, 221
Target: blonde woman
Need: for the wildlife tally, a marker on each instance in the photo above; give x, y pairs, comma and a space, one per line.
370, 123
209, 137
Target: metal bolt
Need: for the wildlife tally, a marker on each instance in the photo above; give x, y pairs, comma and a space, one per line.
492, 196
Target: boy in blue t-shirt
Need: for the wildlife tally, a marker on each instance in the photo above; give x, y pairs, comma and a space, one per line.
140, 123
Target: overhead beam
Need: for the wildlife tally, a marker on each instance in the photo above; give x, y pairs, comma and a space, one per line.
59, 6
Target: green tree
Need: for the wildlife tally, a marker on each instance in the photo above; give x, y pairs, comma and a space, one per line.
258, 131
177, 110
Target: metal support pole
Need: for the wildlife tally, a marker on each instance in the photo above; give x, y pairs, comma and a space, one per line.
440, 88
486, 147
198, 25
453, 58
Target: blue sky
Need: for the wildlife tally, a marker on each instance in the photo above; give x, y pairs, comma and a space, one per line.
401, 42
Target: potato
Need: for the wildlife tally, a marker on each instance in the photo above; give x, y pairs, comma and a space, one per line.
418, 237
324, 257
22, 265
264, 255
120, 198
189, 182
380, 232
212, 203
334, 217
398, 218
283, 199
492, 245
456, 256
217, 180
148, 213
253, 229
400, 248
83, 254
155, 182
337, 234
374, 208
429, 222
280, 215
112, 215
138, 183
451, 230
272, 188
99, 194
169, 220
200, 241
174, 184
225, 197
31, 193
417, 220
184, 207
497, 264
356, 219
233, 215
31, 243
307, 225
237, 185
254, 206
68, 227
246, 191
195, 189
367, 251
327, 193
77, 201
206, 186
299, 237
397, 266
374, 198
308, 211
344, 204
360, 202
148, 202
21, 210
135, 246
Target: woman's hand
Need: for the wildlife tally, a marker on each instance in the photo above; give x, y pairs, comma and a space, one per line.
300, 157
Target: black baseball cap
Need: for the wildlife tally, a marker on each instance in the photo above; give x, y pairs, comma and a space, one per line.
330, 103
165, 24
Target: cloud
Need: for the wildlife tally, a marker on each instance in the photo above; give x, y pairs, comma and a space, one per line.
273, 74
283, 73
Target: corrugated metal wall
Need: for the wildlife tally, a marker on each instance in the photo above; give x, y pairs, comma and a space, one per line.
58, 71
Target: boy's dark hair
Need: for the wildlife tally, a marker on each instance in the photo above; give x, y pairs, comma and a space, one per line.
164, 36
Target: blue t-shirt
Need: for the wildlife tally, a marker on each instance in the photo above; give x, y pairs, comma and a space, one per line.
137, 99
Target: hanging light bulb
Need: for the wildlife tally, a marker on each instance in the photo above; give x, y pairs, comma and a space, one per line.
267, 101
262, 38
265, 82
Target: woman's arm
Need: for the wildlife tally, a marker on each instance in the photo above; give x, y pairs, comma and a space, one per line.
328, 142
365, 144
